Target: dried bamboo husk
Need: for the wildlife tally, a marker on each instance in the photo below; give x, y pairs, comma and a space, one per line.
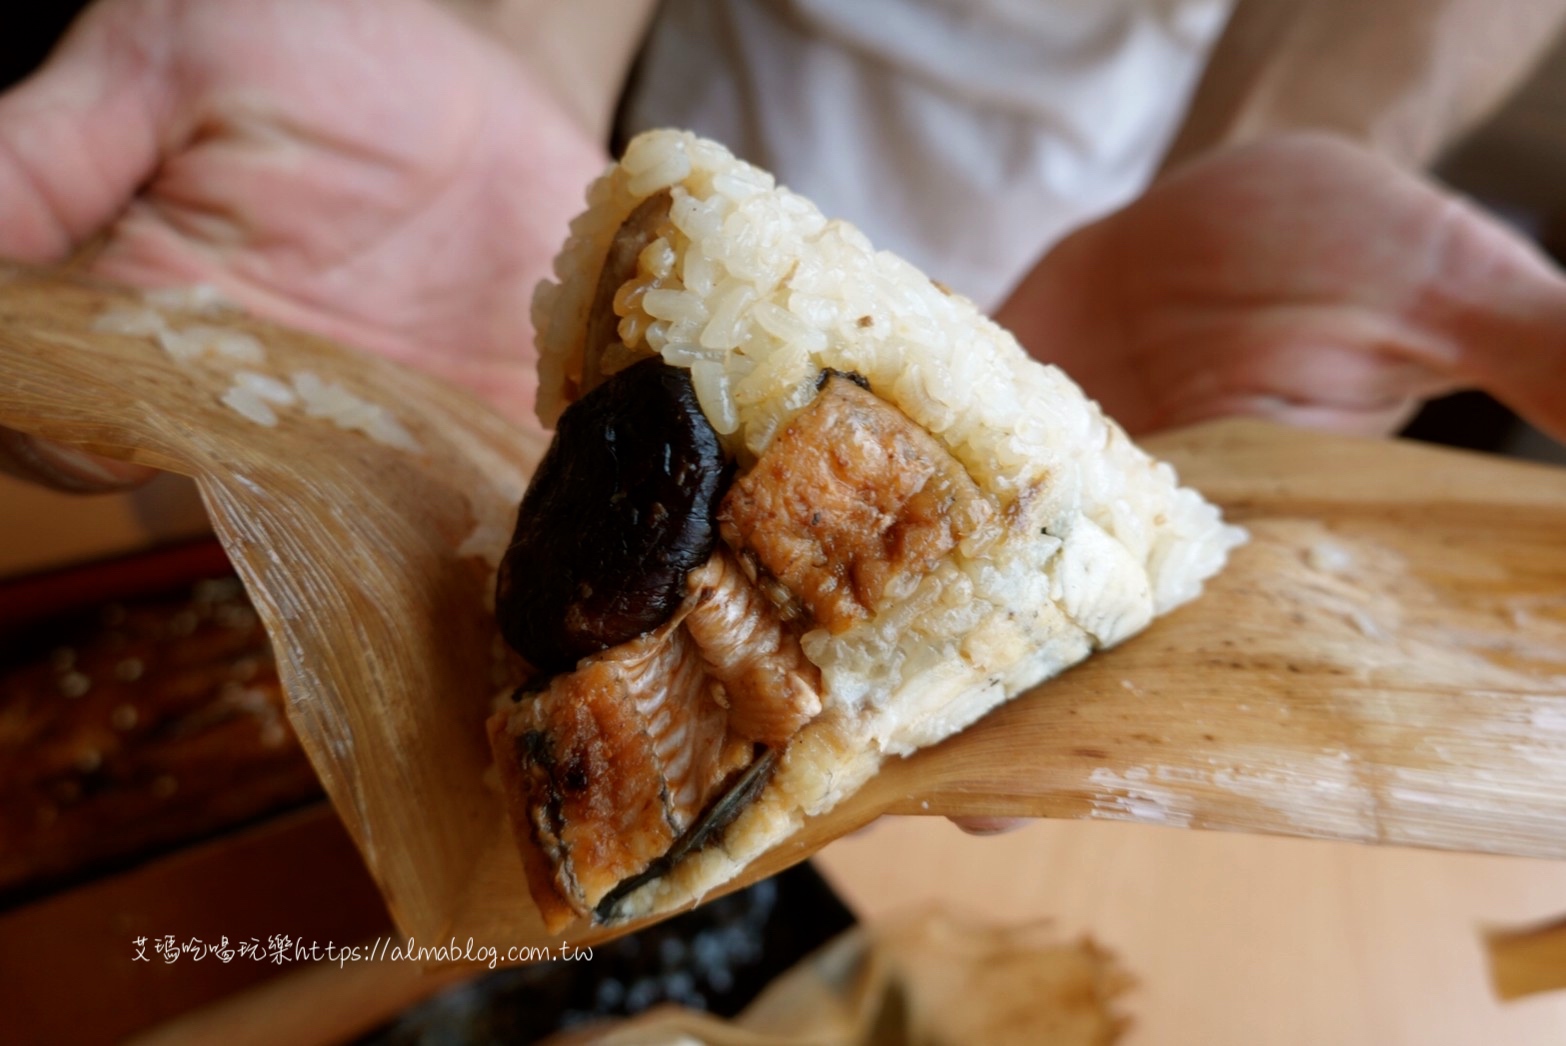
346, 545
1384, 662
1527, 960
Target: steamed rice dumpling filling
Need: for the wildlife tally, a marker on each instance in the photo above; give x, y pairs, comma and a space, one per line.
852, 505
820, 514
678, 673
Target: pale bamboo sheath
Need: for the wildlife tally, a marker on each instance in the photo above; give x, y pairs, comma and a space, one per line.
1386, 661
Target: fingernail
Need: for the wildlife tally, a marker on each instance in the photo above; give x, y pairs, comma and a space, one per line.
66, 468
987, 825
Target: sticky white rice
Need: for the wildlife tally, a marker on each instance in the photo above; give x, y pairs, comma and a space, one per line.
251, 404
183, 344
251, 394
333, 402
199, 299
755, 292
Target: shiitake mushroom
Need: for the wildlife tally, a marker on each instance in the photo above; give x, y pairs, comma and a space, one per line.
619, 511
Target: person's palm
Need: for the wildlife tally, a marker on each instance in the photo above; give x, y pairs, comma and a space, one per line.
371, 170
1299, 279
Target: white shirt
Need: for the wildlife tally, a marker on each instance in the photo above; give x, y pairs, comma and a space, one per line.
966, 136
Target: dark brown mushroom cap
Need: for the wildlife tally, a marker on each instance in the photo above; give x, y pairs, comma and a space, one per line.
619, 511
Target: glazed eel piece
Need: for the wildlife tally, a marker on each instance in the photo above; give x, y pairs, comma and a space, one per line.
671, 673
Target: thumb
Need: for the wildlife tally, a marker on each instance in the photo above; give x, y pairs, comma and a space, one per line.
1533, 383
1525, 366
1506, 305
79, 136
77, 139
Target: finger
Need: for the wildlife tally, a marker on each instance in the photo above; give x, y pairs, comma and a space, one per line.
1501, 305
79, 136
1521, 360
1370, 420
988, 825
66, 468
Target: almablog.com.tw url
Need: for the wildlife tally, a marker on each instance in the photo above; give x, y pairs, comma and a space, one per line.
280, 948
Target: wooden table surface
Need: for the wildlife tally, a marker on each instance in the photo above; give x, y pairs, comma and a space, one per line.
1240, 940
1234, 939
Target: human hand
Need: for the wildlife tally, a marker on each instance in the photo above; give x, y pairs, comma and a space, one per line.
371, 170
1303, 280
